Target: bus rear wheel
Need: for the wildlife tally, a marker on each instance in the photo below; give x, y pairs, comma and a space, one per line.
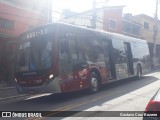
139, 72
94, 83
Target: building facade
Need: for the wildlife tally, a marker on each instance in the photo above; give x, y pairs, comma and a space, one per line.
147, 31
109, 19
17, 16
104, 17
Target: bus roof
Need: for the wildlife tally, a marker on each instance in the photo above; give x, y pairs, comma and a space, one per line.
104, 33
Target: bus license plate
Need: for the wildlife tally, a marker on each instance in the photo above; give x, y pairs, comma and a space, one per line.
38, 81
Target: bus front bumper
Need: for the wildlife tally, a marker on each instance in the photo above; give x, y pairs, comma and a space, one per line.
50, 87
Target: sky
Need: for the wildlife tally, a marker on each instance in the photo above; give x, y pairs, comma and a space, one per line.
131, 6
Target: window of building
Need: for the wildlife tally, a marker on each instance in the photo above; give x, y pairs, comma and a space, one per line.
112, 24
6, 24
146, 25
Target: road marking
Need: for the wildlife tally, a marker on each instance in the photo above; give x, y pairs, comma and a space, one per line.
37, 96
71, 106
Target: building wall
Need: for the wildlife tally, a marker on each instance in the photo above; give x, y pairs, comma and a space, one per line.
103, 17
108, 19
22, 19
114, 14
147, 34
85, 19
17, 16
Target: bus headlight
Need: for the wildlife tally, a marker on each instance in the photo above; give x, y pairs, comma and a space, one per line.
51, 76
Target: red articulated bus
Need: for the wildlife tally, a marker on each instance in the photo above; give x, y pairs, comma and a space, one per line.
59, 58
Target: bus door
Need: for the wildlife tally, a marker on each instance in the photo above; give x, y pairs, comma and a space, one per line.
74, 60
129, 58
119, 58
109, 60
67, 59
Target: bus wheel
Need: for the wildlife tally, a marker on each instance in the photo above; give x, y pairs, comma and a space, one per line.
139, 72
94, 82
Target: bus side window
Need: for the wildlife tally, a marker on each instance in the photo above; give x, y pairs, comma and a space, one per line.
73, 49
119, 51
64, 59
64, 50
98, 50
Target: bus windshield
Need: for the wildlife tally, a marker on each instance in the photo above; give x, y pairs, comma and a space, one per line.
35, 54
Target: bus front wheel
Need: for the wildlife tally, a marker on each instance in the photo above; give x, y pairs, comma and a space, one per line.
94, 82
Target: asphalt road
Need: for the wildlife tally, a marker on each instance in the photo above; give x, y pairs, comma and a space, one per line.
126, 95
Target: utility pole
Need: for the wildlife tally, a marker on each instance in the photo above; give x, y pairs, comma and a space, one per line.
155, 35
93, 21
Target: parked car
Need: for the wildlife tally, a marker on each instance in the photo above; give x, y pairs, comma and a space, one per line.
152, 111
